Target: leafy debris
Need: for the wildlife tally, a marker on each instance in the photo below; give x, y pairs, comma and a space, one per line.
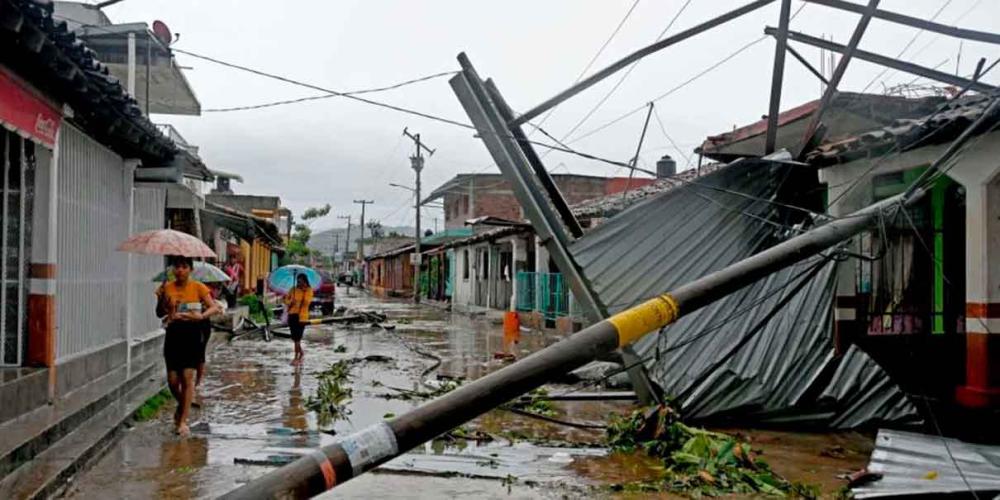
332, 395
697, 461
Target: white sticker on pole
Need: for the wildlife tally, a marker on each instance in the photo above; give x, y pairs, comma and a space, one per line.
369, 445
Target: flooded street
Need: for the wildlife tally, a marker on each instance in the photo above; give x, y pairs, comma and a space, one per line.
254, 417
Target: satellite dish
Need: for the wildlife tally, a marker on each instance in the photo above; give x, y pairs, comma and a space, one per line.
162, 33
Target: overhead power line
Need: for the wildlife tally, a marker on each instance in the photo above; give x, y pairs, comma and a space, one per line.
322, 89
598, 54
328, 95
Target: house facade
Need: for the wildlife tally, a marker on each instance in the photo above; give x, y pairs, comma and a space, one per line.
932, 287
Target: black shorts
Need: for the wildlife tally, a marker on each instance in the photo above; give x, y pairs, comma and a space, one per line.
297, 328
183, 347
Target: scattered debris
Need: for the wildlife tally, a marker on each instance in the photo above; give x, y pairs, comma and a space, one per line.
697, 461
332, 395
536, 402
340, 348
910, 463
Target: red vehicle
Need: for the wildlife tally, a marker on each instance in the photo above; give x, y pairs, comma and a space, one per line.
325, 297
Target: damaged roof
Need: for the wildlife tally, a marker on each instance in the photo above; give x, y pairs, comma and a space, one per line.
848, 114
942, 125
912, 464
611, 204
764, 354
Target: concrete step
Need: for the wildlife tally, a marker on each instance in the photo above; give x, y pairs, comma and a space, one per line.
48, 471
25, 437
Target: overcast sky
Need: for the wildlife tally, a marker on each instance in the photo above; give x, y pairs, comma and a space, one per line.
337, 150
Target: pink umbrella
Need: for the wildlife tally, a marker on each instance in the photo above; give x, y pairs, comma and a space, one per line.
166, 242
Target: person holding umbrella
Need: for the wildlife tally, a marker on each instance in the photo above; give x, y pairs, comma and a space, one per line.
187, 303
297, 302
184, 303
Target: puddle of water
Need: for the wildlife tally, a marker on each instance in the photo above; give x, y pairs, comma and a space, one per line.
255, 408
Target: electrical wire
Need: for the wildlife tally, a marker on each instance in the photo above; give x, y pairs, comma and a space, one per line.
663, 129
328, 96
598, 54
321, 89
694, 78
704, 72
708, 330
624, 76
907, 46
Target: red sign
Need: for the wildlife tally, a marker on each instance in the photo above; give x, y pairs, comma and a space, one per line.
28, 114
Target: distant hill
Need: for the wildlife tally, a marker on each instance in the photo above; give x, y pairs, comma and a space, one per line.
323, 240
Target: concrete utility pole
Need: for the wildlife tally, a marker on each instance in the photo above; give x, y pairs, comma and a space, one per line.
417, 162
366, 449
361, 241
347, 246
336, 248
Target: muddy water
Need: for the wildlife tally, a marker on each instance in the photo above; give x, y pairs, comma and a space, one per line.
254, 418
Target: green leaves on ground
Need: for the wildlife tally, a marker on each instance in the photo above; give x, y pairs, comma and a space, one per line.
332, 395
698, 461
152, 406
537, 402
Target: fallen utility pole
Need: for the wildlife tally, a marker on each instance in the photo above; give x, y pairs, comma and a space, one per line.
364, 450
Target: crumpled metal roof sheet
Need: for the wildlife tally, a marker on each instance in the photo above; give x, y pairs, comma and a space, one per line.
918, 464
733, 358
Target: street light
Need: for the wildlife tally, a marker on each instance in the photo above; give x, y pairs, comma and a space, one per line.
408, 188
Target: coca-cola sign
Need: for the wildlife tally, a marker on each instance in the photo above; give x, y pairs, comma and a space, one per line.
27, 113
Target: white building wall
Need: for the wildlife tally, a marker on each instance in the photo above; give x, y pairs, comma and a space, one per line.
94, 189
148, 213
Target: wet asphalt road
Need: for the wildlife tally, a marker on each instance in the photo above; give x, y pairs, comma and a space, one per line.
254, 411
254, 417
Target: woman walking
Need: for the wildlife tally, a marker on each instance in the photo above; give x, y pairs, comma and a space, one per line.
297, 302
187, 304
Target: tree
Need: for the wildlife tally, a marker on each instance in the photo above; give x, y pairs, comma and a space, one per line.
298, 245
375, 229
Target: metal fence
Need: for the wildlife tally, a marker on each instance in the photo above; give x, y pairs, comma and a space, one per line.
542, 292
148, 208
94, 191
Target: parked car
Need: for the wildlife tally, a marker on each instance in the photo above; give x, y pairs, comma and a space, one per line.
324, 298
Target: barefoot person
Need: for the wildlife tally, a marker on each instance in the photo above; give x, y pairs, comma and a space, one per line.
297, 301
187, 304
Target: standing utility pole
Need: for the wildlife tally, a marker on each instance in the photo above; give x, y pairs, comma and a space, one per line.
336, 248
417, 162
361, 241
347, 246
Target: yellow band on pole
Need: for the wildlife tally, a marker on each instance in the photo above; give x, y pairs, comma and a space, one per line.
651, 315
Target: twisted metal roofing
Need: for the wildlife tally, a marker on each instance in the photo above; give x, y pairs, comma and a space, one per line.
737, 357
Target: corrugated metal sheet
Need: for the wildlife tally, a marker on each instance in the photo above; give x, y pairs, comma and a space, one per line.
733, 358
918, 464
148, 213
93, 218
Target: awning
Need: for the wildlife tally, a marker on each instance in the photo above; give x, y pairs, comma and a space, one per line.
246, 226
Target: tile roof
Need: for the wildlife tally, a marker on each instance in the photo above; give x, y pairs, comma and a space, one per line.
943, 125
44, 52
